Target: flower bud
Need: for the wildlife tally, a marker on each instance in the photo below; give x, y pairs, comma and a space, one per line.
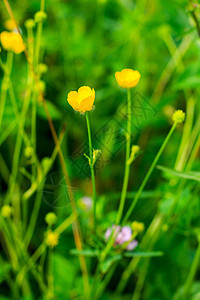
6, 211
42, 68
137, 226
51, 218
40, 16
29, 24
28, 152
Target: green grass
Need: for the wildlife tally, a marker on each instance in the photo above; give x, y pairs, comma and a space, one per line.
46, 148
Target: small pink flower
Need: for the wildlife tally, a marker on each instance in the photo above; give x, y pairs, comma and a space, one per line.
132, 245
124, 235
109, 231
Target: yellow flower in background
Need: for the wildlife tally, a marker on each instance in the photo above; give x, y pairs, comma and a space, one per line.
178, 116
10, 24
51, 239
12, 41
127, 78
137, 226
82, 100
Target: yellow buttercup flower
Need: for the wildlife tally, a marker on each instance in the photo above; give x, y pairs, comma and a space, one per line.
12, 41
82, 100
137, 226
127, 78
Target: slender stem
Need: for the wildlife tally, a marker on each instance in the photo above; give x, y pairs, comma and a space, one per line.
126, 178
192, 273
137, 196
190, 108
91, 169
193, 14
34, 100
141, 279
5, 83
127, 166
104, 282
38, 37
33, 218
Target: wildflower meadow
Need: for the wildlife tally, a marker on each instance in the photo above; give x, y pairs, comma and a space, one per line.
99, 150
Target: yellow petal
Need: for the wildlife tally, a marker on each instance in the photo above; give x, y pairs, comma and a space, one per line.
6, 40
119, 79
73, 99
12, 41
17, 43
86, 98
84, 92
87, 104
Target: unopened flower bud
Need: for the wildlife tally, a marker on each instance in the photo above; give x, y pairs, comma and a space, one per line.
40, 16
51, 218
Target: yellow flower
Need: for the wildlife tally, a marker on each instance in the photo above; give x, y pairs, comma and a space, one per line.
127, 78
82, 100
12, 41
10, 24
52, 239
137, 226
6, 211
178, 116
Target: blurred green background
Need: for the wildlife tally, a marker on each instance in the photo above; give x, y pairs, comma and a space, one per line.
85, 43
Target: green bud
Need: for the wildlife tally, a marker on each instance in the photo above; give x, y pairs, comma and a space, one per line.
6, 211
28, 152
51, 218
40, 16
42, 68
29, 24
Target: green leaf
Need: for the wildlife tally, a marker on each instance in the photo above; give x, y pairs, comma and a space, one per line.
187, 175
191, 82
60, 268
144, 254
85, 252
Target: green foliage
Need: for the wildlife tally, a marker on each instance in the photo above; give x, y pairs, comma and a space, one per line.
44, 151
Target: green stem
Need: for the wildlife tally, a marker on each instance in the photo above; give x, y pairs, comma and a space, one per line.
33, 218
127, 166
181, 157
33, 102
91, 169
126, 178
38, 36
137, 196
5, 83
192, 273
